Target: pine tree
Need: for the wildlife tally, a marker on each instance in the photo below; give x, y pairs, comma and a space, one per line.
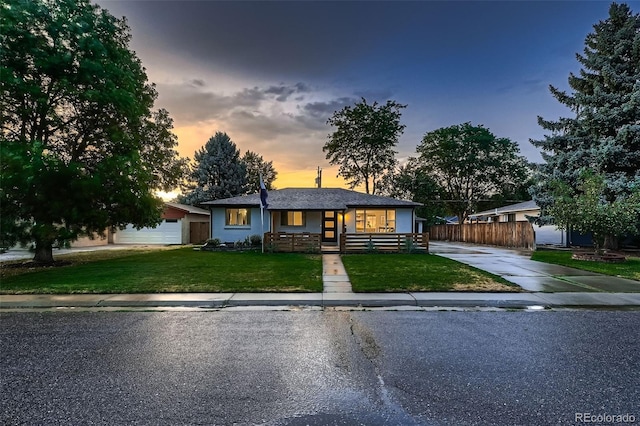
218, 172
604, 134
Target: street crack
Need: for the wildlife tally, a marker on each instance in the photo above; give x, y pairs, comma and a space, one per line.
366, 341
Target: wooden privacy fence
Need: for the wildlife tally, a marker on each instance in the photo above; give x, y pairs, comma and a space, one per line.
290, 242
360, 242
504, 234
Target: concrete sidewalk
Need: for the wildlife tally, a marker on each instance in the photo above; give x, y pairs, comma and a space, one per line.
367, 300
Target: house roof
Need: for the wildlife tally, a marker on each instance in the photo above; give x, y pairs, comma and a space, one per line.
313, 199
187, 208
448, 219
512, 208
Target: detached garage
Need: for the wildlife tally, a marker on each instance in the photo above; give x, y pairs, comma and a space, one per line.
181, 224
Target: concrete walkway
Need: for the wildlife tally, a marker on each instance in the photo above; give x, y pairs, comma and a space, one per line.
334, 276
517, 267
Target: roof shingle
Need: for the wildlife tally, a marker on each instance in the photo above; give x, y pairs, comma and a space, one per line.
313, 199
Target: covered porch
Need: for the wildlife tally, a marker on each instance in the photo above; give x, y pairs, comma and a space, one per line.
317, 227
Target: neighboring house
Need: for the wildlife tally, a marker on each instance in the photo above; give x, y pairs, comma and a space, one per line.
181, 224
523, 212
511, 213
328, 212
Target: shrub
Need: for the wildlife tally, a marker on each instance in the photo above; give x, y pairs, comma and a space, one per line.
371, 247
410, 246
212, 242
255, 240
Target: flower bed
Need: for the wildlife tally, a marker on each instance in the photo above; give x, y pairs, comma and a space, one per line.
597, 257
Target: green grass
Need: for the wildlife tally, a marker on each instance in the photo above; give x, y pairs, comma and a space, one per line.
629, 269
179, 270
417, 272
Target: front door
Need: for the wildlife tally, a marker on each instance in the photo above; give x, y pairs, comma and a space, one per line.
329, 227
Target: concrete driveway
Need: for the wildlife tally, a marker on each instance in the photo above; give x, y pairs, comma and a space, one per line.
517, 267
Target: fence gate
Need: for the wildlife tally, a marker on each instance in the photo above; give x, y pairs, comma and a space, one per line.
198, 232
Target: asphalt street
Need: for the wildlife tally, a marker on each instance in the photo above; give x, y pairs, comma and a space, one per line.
318, 367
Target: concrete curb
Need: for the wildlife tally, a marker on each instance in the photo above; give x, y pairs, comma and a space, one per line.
366, 300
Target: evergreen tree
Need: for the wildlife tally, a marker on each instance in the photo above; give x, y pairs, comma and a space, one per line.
603, 136
256, 166
218, 172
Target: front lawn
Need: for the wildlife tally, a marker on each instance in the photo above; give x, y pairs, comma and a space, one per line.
629, 269
418, 272
179, 270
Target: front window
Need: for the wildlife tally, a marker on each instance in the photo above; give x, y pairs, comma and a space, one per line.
374, 220
238, 217
292, 218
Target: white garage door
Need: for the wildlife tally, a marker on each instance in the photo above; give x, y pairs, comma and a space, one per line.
165, 233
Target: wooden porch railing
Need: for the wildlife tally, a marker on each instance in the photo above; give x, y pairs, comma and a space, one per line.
383, 242
292, 242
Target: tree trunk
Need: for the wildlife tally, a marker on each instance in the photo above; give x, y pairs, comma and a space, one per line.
611, 242
44, 252
461, 217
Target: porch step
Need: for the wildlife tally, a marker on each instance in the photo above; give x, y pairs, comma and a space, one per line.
330, 249
334, 276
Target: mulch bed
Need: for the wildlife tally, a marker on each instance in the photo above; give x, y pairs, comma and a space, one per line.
596, 257
30, 264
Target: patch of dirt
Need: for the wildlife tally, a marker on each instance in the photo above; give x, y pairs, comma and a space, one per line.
10, 269
488, 286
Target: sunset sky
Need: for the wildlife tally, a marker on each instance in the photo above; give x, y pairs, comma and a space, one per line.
270, 73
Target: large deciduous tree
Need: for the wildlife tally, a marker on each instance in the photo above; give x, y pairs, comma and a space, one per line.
470, 164
218, 172
411, 181
603, 135
586, 210
256, 167
363, 142
82, 150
